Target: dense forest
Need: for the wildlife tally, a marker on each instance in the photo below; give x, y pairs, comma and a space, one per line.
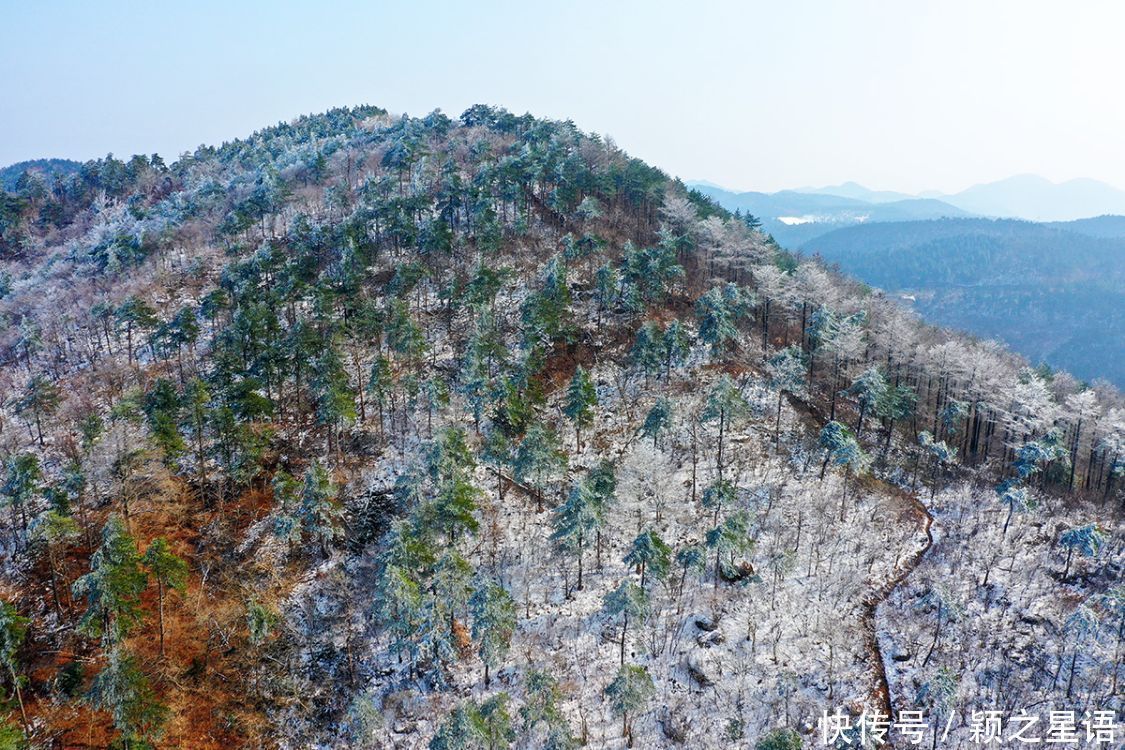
1053, 292
377, 431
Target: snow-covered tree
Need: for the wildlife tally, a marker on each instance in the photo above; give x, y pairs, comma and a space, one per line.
630, 691
581, 398
494, 622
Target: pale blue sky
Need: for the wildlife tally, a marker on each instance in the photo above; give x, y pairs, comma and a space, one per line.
753, 95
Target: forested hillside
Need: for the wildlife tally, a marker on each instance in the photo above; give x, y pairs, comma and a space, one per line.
373, 431
1055, 293
46, 170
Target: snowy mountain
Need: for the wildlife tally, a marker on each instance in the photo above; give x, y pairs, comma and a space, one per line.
370, 431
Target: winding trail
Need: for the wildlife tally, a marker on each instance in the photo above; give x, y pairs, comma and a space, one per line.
918, 510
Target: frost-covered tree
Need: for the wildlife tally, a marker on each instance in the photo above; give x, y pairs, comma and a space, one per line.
786, 375
868, 389
170, 573
630, 691
54, 531
727, 406
13, 633
1087, 540
113, 586
320, 512
658, 420
124, 690
581, 398
494, 622
629, 602
538, 459
649, 554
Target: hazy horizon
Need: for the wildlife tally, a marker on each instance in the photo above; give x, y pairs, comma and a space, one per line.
751, 97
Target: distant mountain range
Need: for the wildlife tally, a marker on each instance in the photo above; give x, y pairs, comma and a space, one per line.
1053, 292
797, 216
794, 217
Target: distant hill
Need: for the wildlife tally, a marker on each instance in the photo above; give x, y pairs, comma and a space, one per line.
1097, 226
1032, 197
795, 217
819, 210
49, 168
859, 192
1055, 295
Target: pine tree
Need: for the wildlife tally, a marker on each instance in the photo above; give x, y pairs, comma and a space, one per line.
541, 709
496, 722
730, 540
581, 398
40, 399
647, 354
676, 343
1017, 500
841, 449
649, 554
716, 320
170, 573
787, 375
575, 520
162, 407
941, 453
658, 420
380, 385
135, 314
780, 739
630, 691
602, 483
725, 405
22, 477
113, 586
897, 404
494, 622
629, 602
13, 632
196, 400
690, 557
123, 689
1087, 540
868, 389
538, 458
463, 729
320, 512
